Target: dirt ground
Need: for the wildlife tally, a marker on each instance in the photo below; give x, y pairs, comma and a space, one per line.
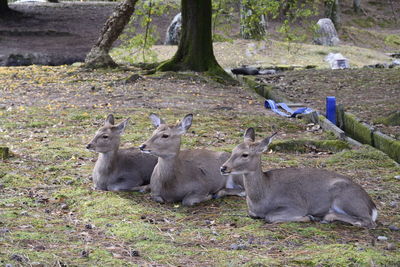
370, 94
64, 31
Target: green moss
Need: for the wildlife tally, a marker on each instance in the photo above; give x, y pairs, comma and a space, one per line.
392, 40
392, 120
343, 255
16, 180
364, 22
356, 129
4, 152
304, 146
388, 145
366, 157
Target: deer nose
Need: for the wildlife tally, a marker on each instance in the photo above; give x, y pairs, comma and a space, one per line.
142, 147
223, 169
88, 146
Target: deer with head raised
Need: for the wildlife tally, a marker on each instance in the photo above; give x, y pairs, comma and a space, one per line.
297, 194
118, 169
190, 176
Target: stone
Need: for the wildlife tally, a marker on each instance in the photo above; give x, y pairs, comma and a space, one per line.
391, 246
245, 71
173, 34
337, 61
326, 33
394, 228
238, 247
382, 238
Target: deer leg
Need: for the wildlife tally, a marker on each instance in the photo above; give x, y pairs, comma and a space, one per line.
141, 189
286, 215
192, 199
333, 216
158, 199
230, 192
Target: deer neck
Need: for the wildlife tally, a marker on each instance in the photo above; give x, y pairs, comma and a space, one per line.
107, 161
166, 167
255, 184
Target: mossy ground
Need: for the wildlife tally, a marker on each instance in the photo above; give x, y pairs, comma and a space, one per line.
51, 216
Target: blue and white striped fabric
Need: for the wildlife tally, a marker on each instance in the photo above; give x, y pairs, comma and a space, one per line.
289, 112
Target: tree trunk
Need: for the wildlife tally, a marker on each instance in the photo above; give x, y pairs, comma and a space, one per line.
332, 11
98, 56
195, 50
357, 6
4, 6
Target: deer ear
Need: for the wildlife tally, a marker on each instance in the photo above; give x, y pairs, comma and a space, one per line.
250, 135
185, 124
121, 127
263, 145
109, 120
157, 121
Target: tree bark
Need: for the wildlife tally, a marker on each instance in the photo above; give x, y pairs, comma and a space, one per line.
357, 6
98, 56
332, 11
4, 7
195, 50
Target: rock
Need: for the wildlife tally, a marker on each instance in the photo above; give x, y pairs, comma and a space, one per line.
393, 204
394, 228
84, 253
135, 253
397, 177
391, 246
173, 34
18, 258
238, 247
89, 226
382, 238
326, 33
267, 72
64, 206
133, 78
337, 61
245, 71
4, 230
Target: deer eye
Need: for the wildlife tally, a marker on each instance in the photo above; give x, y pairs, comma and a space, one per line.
105, 136
165, 136
245, 155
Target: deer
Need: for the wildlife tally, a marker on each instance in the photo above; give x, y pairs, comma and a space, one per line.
297, 194
187, 176
119, 169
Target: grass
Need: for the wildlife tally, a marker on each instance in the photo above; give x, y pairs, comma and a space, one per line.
274, 53
50, 215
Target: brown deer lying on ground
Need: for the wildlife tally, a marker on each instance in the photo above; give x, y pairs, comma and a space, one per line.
118, 169
297, 195
190, 176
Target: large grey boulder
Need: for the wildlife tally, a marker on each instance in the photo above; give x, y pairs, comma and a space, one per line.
174, 31
326, 33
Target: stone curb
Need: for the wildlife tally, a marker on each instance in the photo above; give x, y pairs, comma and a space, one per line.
358, 132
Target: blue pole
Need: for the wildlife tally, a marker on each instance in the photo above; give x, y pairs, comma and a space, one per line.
331, 109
